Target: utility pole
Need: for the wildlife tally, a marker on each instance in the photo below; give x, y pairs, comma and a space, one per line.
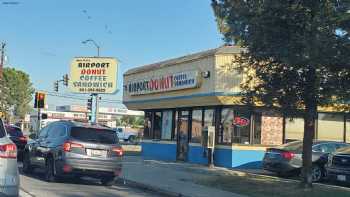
2, 58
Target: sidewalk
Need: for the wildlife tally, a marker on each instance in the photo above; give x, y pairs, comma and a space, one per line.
175, 179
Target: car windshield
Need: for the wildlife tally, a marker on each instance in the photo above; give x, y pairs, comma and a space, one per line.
103, 136
14, 131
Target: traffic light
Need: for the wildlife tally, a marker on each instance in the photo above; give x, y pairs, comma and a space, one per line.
43, 116
65, 79
39, 100
89, 104
55, 86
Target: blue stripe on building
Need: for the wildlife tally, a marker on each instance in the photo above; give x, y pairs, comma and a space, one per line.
223, 157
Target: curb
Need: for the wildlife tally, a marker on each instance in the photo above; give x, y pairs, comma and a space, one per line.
24, 193
151, 188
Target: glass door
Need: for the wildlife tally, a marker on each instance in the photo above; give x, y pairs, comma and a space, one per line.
182, 135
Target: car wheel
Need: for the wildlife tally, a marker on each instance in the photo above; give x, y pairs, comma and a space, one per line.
316, 173
107, 181
27, 167
49, 171
132, 139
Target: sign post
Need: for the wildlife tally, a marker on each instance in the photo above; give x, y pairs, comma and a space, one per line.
93, 75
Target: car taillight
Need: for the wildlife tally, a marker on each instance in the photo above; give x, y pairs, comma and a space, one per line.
8, 151
118, 151
67, 146
287, 155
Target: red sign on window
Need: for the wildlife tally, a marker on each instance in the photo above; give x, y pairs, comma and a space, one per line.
241, 121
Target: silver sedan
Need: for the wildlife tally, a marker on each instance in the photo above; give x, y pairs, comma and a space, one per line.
9, 176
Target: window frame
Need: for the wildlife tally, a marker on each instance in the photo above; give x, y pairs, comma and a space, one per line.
152, 118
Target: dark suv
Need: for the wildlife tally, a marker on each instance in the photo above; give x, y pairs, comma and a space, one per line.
70, 148
16, 135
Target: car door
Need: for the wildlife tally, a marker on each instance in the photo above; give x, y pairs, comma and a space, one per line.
120, 133
52, 141
36, 156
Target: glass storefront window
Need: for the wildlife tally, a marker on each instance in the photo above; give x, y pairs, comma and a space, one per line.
226, 125
167, 120
330, 127
209, 117
257, 128
241, 133
196, 126
294, 129
347, 129
147, 126
176, 125
157, 125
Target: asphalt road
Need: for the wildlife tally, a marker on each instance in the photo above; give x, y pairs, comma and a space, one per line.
34, 185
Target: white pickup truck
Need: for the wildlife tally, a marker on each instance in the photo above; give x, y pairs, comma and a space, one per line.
124, 134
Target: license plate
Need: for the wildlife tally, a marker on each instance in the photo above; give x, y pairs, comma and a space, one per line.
341, 177
96, 153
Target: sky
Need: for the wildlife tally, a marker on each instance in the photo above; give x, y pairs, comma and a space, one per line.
43, 36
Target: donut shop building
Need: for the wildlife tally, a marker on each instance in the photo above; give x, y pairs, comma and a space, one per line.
183, 96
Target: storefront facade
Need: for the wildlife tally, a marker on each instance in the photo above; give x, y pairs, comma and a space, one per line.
182, 96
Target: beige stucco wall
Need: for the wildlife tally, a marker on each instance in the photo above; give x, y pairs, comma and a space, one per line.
227, 79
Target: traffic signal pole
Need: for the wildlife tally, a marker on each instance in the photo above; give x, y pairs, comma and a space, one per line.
39, 121
39, 103
95, 108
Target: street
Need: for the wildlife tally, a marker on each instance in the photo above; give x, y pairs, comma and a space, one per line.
34, 185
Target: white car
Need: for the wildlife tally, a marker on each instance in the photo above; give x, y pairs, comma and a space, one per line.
9, 176
125, 135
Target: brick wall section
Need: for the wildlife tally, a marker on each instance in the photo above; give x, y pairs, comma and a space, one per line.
271, 128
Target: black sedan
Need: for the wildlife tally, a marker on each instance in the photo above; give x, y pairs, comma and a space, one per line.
16, 135
338, 167
287, 159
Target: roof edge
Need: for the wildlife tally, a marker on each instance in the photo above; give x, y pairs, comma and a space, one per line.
231, 49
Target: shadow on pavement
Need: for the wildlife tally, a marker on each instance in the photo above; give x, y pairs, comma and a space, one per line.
39, 175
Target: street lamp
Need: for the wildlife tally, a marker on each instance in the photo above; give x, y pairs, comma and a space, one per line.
96, 45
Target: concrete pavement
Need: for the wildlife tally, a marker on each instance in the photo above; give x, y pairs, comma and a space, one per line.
177, 179
35, 186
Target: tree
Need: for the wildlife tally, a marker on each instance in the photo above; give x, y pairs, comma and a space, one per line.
140, 121
127, 120
18, 91
296, 56
118, 122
